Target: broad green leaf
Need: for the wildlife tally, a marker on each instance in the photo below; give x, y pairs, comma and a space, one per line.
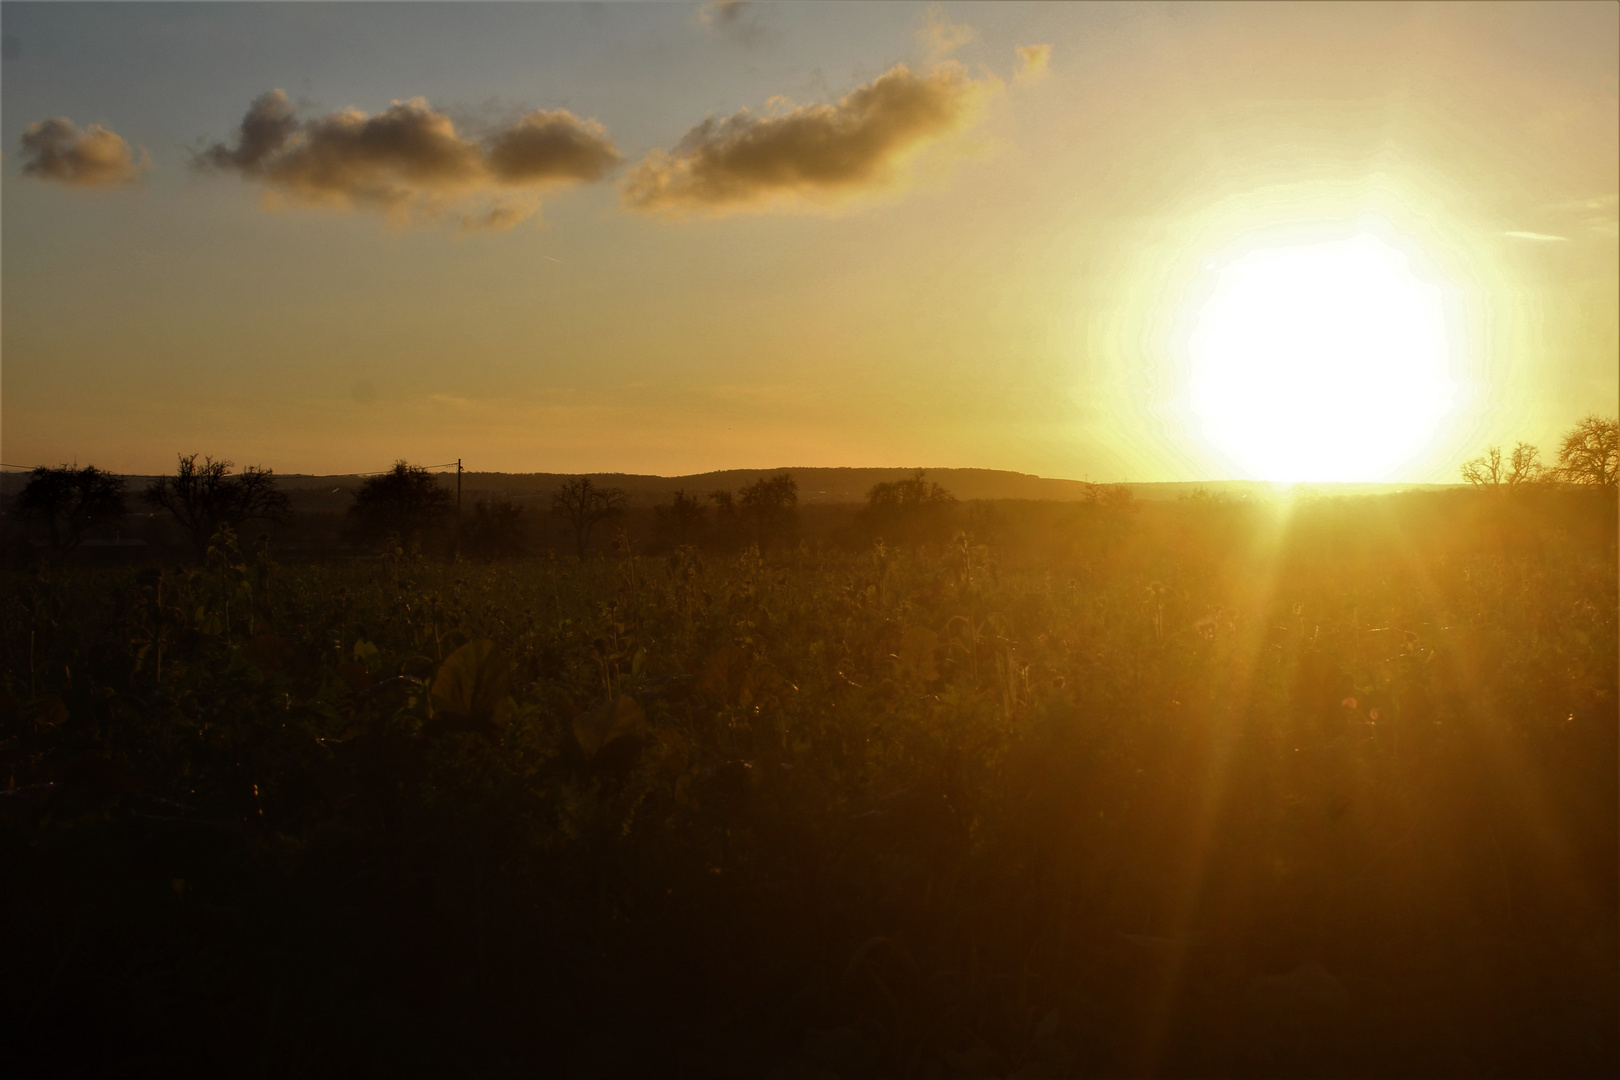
474, 682
595, 729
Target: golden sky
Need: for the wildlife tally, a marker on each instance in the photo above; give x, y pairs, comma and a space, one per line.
673, 238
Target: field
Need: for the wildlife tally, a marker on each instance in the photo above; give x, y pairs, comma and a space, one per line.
1199, 788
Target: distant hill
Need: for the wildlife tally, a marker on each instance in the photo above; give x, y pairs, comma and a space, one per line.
816, 485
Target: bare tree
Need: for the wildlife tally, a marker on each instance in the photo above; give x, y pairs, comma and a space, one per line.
1525, 467
70, 502
585, 505
204, 497
1590, 452
1485, 471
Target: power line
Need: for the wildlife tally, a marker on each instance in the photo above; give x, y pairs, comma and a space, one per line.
385, 472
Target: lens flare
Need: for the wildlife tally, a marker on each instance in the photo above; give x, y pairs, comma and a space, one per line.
1324, 361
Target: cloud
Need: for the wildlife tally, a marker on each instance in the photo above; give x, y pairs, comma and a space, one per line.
57, 150
939, 36
1032, 62
1598, 214
410, 161
1534, 236
812, 153
722, 12
735, 19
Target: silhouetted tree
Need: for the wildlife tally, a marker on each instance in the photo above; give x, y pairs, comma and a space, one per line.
204, 497
767, 508
1490, 471
585, 505
69, 502
405, 503
682, 519
1118, 498
497, 529
914, 509
1590, 452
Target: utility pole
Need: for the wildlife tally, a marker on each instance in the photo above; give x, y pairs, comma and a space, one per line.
458, 509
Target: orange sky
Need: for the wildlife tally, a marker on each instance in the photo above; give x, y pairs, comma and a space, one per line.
668, 239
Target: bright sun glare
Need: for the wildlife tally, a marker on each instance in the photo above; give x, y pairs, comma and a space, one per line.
1323, 361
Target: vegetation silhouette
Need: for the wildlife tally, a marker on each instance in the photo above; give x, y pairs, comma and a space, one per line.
403, 506
203, 498
767, 510
498, 529
681, 521
914, 510
1590, 452
1319, 787
68, 503
584, 506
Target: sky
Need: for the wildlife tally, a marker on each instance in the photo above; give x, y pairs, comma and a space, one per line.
671, 238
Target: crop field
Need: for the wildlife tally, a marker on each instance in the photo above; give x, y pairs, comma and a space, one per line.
1202, 788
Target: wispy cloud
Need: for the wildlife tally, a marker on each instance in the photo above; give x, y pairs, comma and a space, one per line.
96, 157
410, 161
1601, 214
810, 154
1534, 236
939, 36
1033, 61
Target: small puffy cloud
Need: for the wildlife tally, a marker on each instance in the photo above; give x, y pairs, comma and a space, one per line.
57, 150
722, 12
409, 160
939, 36
816, 154
735, 19
1033, 61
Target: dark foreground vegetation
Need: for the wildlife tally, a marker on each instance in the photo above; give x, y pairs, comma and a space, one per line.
1190, 789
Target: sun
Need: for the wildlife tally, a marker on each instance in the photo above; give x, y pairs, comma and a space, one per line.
1322, 361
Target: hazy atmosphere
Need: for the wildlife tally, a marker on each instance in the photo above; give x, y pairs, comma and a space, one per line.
810, 541
674, 238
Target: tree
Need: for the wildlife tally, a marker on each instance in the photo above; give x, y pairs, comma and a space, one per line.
1486, 470
1590, 452
912, 509
585, 505
1490, 471
404, 503
767, 508
497, 528
682, 519
1117, 498
70, 502
204, 497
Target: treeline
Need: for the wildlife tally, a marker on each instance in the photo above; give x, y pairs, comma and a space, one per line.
409, 511
1588, 454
